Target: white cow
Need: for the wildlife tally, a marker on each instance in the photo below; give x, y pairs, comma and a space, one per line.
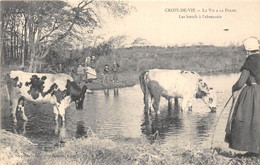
175, 84
57, 89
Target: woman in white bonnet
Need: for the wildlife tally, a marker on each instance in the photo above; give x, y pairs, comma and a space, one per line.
243, 127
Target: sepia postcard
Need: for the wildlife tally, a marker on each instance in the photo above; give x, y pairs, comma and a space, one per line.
130, 82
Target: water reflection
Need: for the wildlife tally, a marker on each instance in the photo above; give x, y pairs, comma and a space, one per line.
106, 92
60, 132
156, 126
81, 131
204, 124
115, 90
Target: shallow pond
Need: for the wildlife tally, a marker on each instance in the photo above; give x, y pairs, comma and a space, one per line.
120, 112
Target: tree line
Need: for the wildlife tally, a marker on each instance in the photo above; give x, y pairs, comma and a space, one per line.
31, 30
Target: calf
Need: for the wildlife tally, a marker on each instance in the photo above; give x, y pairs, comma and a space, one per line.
57, 89
175, 84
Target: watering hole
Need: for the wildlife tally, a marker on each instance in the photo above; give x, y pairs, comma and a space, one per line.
120, 112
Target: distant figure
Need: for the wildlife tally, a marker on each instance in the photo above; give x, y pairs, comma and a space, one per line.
105, 72
60, 69
81, 73
115, 71
243, 126
87, 61
93, 62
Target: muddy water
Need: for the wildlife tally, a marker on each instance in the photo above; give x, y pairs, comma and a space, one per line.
120, 112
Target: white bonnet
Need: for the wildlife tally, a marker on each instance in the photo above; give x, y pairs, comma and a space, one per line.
251, 44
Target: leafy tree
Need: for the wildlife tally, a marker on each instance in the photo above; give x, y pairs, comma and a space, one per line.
139, 42
103, 49
118, 41
49, 25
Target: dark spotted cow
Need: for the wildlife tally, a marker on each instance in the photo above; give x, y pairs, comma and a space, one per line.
175, 84
57, 89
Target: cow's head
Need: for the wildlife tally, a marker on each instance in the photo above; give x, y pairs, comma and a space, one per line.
77, 94
207, 95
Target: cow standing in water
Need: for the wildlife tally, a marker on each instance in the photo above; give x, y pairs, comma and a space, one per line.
57, 89
175, 84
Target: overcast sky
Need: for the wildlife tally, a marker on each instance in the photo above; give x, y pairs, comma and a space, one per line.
161, 24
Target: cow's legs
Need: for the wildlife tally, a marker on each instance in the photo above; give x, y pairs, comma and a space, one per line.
169, 103
56, 112
61, 109
189, 105
176, 101
184, 103
156, 104
147, 100
62, 113
20, 107
62, 133
156, 93
13, 107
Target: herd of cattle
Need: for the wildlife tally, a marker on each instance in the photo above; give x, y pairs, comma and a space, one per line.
60, 90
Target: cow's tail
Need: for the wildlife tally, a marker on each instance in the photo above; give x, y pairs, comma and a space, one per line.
143, 84
7, 81
143, 81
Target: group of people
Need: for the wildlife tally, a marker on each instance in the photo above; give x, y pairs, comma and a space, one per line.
87, 72
114, 69
90, 61
90, 64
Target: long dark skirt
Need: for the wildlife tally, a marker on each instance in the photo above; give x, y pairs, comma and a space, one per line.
245, 125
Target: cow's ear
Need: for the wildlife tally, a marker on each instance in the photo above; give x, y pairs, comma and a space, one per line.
68, 84
7, 77
43, 78
84, 88
198, 95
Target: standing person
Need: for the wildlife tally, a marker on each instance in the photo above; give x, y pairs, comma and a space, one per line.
105, 72
93, 62
243, 127
115, 71
81, 73
60, 68
87, 61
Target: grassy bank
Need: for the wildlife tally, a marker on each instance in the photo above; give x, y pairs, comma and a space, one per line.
95, 149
